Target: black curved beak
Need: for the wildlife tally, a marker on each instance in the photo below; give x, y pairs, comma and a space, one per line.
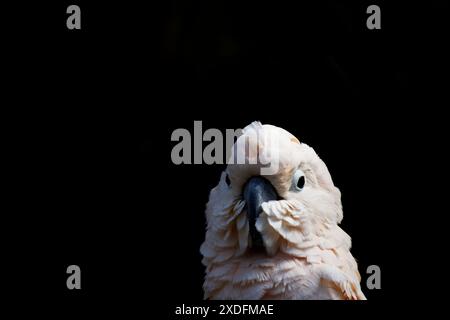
257, 190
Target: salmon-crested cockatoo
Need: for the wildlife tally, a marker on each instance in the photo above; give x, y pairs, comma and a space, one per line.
275, 235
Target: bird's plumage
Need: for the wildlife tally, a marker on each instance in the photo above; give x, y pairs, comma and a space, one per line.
307, 255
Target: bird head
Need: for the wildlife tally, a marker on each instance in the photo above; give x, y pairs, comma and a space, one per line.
275, 196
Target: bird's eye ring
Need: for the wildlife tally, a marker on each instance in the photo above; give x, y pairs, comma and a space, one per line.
298, 180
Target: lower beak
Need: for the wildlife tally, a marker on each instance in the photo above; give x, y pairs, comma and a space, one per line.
257, 190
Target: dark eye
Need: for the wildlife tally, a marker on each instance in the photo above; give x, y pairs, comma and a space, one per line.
227, 180
301, 182
298, 180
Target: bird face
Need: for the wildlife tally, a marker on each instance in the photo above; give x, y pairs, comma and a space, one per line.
252, 211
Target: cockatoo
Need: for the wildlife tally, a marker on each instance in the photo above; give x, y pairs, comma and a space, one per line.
276, 235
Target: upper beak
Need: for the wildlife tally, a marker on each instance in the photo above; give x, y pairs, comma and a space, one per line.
257, 190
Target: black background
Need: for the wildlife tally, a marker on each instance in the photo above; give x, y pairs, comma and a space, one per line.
91, 112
